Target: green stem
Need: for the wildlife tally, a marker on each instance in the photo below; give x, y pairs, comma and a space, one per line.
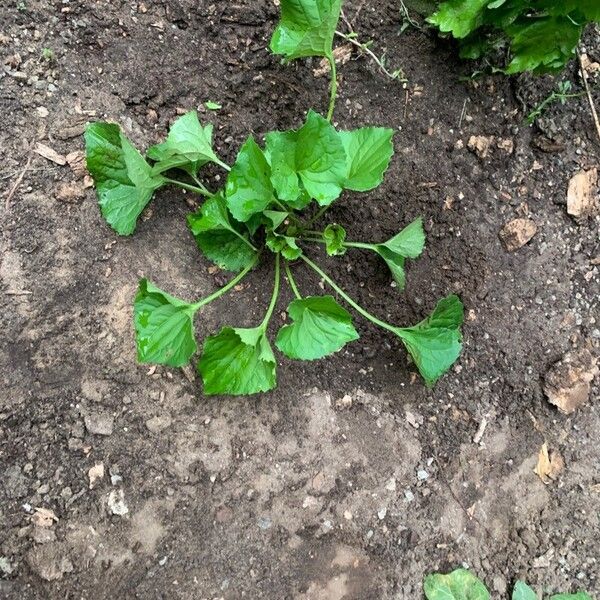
334, 87
367, 315
245, 240
201, 185
198, 305
291, 280
191, 188
271, 308
362, 245
223, 165
317, 216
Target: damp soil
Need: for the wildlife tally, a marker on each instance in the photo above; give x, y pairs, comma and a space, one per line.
352, 480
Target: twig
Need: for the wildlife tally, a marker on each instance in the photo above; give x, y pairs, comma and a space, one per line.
398, 75
462, 114
589, 94
18, 181
18, 293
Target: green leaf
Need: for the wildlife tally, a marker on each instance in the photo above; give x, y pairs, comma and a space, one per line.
249, 189
435, 343
369, 151
276, 217
577, 596
124, 180
543, 44
522, 591
321, 327
280, 150
212, 105
320, 159
311, 159
334, 236
458, 585
306, 28
285, 244
164, 327
188, 146
237, 362
460, 17
409, 243
217, 238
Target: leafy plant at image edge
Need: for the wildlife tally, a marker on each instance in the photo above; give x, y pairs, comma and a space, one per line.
542, 34
461, 584
263, 207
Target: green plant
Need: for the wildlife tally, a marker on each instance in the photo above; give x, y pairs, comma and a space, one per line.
542, 34
463, 585
562, 94
266, 207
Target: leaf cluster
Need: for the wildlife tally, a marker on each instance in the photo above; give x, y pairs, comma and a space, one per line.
275, 193
461, 584
542, 35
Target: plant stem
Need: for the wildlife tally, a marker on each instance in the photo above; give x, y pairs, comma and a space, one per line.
317, 216
367, 315
362, 245
334, 87
275, 294
198, 305
223, 165
191, 188
349, 38
201, 185
291, 280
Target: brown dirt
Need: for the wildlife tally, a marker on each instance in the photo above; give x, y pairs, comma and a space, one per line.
289, 495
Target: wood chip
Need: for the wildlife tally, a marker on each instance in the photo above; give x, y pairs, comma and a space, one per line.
582, 197
76, 160
517, 233
550, 464
71, 192
50, 154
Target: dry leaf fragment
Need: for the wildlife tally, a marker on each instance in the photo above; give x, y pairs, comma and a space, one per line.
517, 233
70, 192
582, 196
480, 144
43, 517
568, 384
342, 55
76, 160
550, 464
50, 154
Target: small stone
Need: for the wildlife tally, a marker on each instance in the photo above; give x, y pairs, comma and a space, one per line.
517, 233
381, 513
6, 566
345, 402
43, 517
422, 475
42, 111
14, 482
158, 423
96, 473
390, 486
99, 423
409, 495
116, 503
264, 523
582, 196
347, 515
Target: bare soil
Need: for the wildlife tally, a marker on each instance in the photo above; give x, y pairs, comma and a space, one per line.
293, 494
